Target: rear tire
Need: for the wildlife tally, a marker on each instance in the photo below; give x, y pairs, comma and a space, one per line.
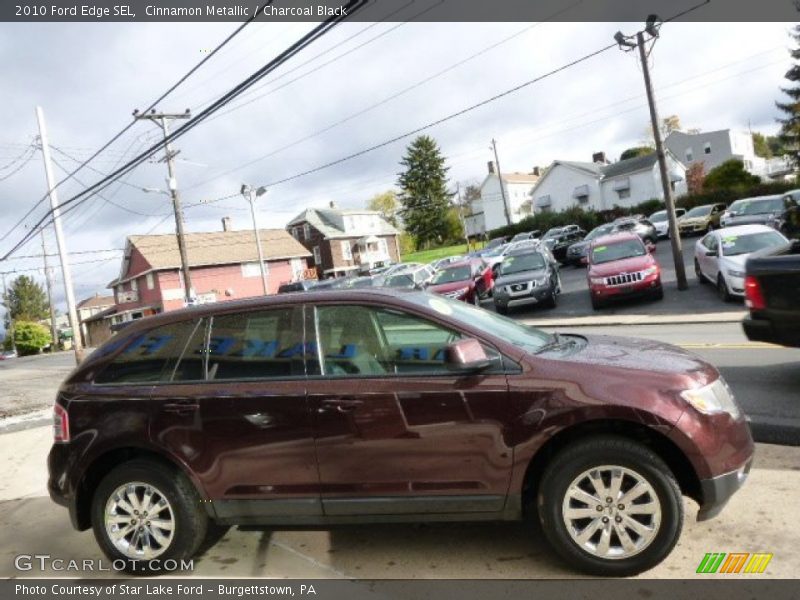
698, 273
145, 491
589, 473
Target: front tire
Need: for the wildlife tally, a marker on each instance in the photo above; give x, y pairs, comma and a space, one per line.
698, 273
722, 289
144, 510
610, 506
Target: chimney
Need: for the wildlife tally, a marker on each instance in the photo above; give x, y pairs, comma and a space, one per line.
226, 223
332, 204
490, 164
599, 157
536, 171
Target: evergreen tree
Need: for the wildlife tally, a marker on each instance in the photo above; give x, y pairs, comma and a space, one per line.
423, 191
790, 124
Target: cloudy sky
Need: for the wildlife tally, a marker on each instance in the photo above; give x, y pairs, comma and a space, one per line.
379, 80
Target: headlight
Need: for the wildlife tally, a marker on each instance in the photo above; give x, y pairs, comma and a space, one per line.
713, 398
734, 273
649, 271
597, 280
540, 281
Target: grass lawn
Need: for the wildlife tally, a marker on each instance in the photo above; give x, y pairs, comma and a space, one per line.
426, 256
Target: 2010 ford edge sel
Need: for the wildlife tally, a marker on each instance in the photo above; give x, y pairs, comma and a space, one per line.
374, 406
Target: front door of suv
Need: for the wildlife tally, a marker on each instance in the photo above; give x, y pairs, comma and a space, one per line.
396, 432
253, 448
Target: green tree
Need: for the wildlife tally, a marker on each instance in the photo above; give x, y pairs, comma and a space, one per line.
728, 176
761, 146
636, 151
385, 203
30, 337
26, 300
790, 123
423, 191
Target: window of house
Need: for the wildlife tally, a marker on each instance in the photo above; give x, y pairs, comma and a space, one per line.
149, 280
707, 148
383, 246
306, 231
134, 285
624, 193
347, 251
171, 352
317, 256
265, 344
689, 155
251, 269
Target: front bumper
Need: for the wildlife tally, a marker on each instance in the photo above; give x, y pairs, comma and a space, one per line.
694, 228
640, 288
535, 295
718, 490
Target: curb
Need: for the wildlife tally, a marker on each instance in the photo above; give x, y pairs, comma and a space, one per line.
608, 320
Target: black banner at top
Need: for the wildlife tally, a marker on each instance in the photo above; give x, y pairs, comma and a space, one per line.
396, 10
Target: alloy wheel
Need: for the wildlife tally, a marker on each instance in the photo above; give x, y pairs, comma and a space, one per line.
611, 512
139, 521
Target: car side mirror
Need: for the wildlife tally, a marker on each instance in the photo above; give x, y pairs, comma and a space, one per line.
651, 248
711, 252
466, 355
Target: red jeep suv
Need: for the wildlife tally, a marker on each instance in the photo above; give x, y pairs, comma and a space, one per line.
621, 265
354, 406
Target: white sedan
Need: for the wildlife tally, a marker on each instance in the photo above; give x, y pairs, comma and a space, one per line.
719, 256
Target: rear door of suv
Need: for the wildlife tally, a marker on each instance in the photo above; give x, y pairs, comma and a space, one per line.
239, 417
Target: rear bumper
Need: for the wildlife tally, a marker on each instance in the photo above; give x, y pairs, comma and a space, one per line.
763, 330
718, 490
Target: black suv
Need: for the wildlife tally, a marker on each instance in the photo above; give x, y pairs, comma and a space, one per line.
559, 239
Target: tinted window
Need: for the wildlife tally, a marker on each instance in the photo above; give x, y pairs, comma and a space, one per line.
156, 356
522, 262
361, 340
451, 274
699, 211
256, 345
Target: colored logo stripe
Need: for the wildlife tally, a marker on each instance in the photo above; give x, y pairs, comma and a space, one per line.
758, 563
736, 562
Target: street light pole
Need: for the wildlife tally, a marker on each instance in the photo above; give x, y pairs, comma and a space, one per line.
250, 194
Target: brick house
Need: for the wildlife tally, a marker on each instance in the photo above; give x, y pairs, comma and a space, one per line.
223, 266
345, 242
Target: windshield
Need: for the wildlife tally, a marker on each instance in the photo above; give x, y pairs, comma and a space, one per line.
659, 216
403, 280
598, 231
733, 245
460, 273
699, 211
758, 207
522, 262
519, 236
525, 337
494, 243
495, 251
552, 232
617, 251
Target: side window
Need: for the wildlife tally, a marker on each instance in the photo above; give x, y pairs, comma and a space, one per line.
169, 353
361, 340
256, 345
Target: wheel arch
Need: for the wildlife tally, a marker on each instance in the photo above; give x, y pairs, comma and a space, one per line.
104, 463
666, 449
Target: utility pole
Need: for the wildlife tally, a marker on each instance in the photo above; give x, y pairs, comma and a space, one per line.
62, 250
500, 179
49, 281
250, 194
666, 185
161, 119
10, 331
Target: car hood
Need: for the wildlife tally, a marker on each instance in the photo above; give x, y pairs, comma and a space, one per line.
642, 355
627, 265
519, 277
578, 247
735, 262
443, 288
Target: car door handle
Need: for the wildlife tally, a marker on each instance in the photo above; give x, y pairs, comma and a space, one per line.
342, 405
181, 407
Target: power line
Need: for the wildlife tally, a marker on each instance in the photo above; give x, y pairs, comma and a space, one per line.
131, 124
351, 8
25, 160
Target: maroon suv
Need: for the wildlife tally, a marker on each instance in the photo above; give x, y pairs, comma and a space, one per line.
372, 406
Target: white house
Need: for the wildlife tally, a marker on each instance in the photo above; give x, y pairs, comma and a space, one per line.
517, 188
599, 186
712, 148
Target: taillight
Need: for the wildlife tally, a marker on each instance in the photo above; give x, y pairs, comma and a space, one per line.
60, 424
753, 295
